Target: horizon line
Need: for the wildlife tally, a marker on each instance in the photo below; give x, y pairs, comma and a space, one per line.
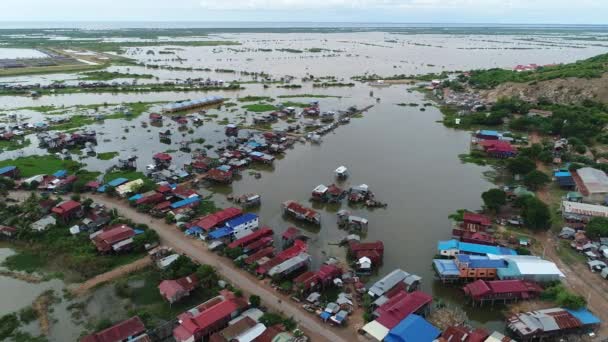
305, 22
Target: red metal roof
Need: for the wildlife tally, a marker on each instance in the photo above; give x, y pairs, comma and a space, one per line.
152, 199
373, 255
356, 246
255, 245
308, 279
217, 174
290, 233
93, 184
329, 272
212, 220
269, 334
260, 233
482, 288
400, 306
122, 331
334, 190
462, 334
496, 146
169, 288
212, 315
470, 217
297, 248
162, 205
164, 188
107, 238
163, 156
66, 207
268, 251
300, 209
565, 320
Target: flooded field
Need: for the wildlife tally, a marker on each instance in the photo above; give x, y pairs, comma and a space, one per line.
20, 53
408, 159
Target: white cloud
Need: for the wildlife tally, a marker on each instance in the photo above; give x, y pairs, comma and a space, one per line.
472, 5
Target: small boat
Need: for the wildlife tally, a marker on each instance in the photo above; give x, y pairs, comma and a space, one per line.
379, 83
249, 200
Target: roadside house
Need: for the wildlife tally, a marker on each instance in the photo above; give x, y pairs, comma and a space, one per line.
174, 290
211, 316
132, 329
68, 210
116, 238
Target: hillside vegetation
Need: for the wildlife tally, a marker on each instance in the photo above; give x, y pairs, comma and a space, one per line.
593, 67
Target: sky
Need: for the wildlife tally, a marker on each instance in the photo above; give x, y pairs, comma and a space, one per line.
401, 11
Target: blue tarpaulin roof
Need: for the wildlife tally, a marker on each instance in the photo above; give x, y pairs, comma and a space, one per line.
446, 267
6, 169
488, 132
220, 233
446, 245
585, 316
473, 248
247, 217
135, 197
325, 315
138, 231
562, 174
413, 329
194, 230
224, 168
60, 173
185, 202
475, 261
117, 182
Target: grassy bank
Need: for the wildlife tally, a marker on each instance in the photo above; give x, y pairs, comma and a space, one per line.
107, 76
50, 69
589, 68
142, 88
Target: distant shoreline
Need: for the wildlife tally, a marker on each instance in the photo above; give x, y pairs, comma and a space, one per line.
105, 25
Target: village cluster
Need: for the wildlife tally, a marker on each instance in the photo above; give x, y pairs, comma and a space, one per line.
486, 266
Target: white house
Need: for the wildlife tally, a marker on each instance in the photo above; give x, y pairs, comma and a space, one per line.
44, 223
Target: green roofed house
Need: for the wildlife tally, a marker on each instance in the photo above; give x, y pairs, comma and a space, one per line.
574, 196
521, 192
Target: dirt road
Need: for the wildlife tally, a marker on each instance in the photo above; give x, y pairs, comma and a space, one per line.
111, 275
172, 237
578, 277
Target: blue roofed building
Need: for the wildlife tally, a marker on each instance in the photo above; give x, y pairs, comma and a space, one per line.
564, 179
476, 261
185, 202
135, 197
488, 134
413, 329
446, 269
220, 233
60, 174
585, 316
113, 183
9, 171
246, 221
451, 248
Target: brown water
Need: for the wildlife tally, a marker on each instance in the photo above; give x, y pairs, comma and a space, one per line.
408, 159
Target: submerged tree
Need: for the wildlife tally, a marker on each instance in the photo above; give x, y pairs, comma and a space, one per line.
493, 199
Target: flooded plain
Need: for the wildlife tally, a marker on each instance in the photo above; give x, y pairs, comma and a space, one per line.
408, 159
